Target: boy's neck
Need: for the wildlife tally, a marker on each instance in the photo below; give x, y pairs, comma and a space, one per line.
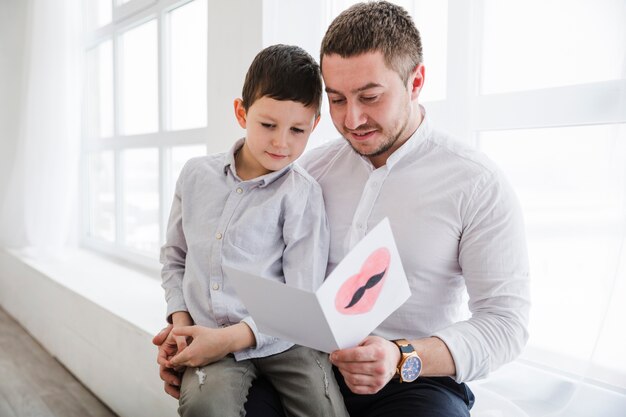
246, 166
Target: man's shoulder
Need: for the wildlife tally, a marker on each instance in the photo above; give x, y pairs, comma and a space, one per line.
461, 154
316, 161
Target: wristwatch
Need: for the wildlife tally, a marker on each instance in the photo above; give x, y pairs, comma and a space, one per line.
410, 364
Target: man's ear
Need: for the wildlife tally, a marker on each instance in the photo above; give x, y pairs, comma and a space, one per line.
240, 112
416, 80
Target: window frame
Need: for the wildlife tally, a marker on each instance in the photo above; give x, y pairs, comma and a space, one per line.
126, 17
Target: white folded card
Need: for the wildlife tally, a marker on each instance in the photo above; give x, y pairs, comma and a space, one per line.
364, 289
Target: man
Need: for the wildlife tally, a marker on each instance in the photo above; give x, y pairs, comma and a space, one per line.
456, 222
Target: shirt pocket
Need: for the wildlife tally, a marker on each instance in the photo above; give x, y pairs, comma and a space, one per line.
257, 231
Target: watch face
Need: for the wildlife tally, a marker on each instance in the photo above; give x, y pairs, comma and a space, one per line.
411, 369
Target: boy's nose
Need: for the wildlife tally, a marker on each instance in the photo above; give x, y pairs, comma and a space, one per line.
280, 139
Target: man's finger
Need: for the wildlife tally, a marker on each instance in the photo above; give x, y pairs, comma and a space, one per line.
169, 376
160, 337
172, 390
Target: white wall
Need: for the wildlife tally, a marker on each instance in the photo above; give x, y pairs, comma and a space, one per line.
13, 15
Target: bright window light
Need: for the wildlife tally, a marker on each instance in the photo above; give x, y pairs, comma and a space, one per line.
100, 90
139, 80
569, 42
102, 196
140, 169
188, 65
571, 184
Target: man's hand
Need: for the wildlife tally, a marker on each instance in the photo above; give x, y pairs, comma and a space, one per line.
168, 348
368, 367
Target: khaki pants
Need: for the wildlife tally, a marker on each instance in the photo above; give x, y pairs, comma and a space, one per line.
303, 378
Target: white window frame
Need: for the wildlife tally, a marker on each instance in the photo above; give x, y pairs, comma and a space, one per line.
126, 17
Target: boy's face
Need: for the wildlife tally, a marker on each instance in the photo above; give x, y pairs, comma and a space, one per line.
277, 133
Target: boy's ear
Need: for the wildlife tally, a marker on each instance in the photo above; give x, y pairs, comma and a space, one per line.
317, 120
240, 112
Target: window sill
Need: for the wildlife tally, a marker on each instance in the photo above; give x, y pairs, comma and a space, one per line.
97, 317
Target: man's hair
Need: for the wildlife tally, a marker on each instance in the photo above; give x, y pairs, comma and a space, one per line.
284, 72
376, 27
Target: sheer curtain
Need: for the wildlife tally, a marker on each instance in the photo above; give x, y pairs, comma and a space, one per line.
39, 204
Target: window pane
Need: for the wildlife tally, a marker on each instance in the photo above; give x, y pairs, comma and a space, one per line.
188, 65
139, 80
572, 186
100, 90
102, 196
431, 19
104, 12
539, 44
141, 199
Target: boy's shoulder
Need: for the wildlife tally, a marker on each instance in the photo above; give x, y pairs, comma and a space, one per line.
202, 164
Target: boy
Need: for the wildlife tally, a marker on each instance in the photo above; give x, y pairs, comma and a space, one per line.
252, 208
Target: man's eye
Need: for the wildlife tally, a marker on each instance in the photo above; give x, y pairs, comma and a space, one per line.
337, 100
369, 98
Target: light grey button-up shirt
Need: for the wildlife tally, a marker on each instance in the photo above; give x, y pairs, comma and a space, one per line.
458, 227
273, 226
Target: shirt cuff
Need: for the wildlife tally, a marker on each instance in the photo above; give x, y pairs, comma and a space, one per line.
175, 302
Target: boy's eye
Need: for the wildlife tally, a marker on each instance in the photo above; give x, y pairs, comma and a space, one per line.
296, 130
267, 125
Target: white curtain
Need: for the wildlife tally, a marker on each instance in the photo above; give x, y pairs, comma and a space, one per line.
39, 201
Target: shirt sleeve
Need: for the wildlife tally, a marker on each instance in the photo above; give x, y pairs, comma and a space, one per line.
307, 239
172, 257
494, 261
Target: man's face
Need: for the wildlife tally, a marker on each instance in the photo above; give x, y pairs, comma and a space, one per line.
370, 104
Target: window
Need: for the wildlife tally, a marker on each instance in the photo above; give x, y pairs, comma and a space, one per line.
146, 115
540, 87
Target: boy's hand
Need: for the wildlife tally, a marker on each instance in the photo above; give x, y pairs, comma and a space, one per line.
210, 345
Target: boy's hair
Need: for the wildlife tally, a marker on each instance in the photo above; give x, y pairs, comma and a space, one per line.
376, 26
284, 72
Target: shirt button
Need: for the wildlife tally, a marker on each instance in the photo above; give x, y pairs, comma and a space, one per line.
218, 236
239, 190
216, 286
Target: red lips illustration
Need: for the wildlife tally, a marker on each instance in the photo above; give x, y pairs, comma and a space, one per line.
359, 293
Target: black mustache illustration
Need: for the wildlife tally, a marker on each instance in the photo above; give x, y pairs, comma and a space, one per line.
374, 279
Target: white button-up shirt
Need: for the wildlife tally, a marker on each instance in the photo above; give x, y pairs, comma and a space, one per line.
459, 231
273, 226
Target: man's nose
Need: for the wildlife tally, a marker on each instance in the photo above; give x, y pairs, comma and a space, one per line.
354, 116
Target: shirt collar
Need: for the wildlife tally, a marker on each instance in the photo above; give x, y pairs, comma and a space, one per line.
263, 180
422, 132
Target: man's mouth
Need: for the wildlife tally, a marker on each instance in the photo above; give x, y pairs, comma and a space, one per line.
362, 135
